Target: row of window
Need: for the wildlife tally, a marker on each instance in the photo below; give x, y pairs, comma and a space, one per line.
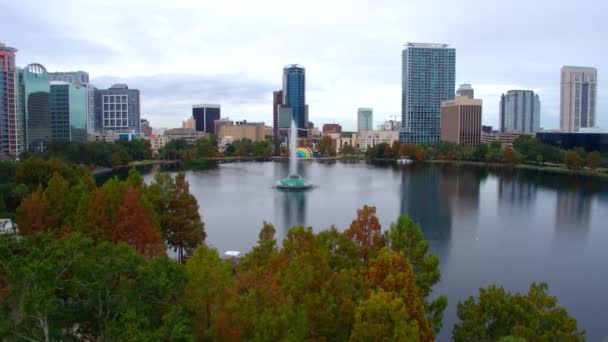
115, 99
115, 123
115, 106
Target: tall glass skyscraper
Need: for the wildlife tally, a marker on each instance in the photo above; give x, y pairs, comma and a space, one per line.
10, 125
34, 98
69, 107
294, 95
428, 78
520, 112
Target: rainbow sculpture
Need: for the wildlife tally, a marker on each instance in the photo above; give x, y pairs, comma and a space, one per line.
303, 152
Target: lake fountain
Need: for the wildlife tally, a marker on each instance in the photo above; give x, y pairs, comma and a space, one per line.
294, 181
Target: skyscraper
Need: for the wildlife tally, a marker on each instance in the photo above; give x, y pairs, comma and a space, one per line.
520, 112
117, 109
365, 119
69, 107
277, 100
461, 121
34, 103
81, 78
205, 116
577, 98
465, 90
10, 123
294, 95
428, 73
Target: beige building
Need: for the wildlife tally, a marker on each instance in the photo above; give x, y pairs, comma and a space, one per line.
190, 123
158, 142
254, 131
217, 124
577, 98
461, 121
367, 139
505, 138
190, 135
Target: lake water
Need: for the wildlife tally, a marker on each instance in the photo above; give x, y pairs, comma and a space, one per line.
504, 227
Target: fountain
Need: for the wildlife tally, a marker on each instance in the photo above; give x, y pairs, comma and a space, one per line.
294, 181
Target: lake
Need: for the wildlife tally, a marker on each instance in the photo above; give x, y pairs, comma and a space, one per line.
486, 226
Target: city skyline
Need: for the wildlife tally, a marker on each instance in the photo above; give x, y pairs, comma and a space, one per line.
173, 73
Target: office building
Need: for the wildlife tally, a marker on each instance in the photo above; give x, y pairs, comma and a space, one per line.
144, 125
577, 98
190, 136
428, 73
189, 123
205, 116
294, 96
34, 104
569, 140
365, 119
117, 109
461, 121
69, 107
221, 122
506, 139
277, 100
254, 131
10, 120
465, 90
390, 125
70, 77
332, 128
519, 112
368, 139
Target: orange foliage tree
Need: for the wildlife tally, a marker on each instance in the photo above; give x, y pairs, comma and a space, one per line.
365, 231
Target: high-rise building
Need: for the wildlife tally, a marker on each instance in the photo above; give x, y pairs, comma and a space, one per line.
365, 119
520, 111
465, 90
428, 73
332, 128
10, 120
294, 95
461, 121
277, 100
146, 129
79, 77
577, 98
117, 109
34, 104
189, 123
390, 125
205, 116
69, 108
70, 76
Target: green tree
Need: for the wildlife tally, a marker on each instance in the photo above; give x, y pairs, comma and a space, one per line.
481, 151
208, 279
406, 238
572, 159
497, 313
594, 160
184, 227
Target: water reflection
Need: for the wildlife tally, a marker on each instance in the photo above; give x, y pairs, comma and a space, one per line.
294, 208
572, 213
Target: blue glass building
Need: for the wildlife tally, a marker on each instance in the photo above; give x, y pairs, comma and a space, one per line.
294, 95
428, 78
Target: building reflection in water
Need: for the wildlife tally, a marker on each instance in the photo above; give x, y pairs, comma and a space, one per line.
572, 213
515, 195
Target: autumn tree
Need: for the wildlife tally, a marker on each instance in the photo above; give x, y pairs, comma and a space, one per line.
497, 313
365, 231
326, 146
33, 215
134, 226
183, 226
572, 159
507, 154
420, 154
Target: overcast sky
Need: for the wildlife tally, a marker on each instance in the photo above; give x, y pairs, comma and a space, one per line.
180, 53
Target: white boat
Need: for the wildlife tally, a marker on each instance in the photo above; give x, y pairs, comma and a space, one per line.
404, 161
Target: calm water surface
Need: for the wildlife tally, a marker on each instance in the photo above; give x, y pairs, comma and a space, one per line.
504, 227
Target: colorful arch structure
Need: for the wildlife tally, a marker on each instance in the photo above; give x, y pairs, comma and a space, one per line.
303, 152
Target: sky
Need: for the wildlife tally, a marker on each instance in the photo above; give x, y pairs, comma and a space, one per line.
179, 53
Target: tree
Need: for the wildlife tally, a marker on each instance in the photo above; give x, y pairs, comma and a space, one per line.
184, 228
326, 146
497, 313
594, 160
208, 279
134, 226
572, 159
481, 151
406, 238
420, 154
508, 154
539, 159
383, 317
365, 231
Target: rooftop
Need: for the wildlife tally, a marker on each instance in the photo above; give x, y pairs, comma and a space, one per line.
119, 86
206, 105
572, 67
6, 48
426, 45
